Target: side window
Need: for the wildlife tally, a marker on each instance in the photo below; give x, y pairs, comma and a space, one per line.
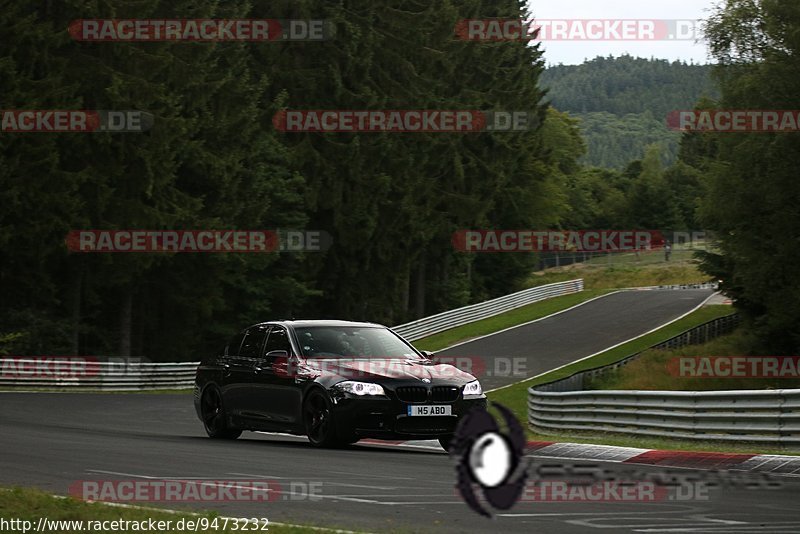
278, 340
232, 349
251, 347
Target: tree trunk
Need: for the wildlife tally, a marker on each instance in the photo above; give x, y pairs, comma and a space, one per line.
406, 289
125, 316
75, 310
419, 300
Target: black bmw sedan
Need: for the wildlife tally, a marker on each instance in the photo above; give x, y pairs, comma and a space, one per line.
333, 381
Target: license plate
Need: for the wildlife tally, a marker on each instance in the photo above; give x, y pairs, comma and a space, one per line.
429, 410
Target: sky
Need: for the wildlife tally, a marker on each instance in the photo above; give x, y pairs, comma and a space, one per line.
574, 52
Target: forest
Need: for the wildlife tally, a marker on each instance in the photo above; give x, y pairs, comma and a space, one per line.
389, 201
622, 103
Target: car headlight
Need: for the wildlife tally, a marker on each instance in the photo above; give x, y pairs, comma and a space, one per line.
360, 388
473, 388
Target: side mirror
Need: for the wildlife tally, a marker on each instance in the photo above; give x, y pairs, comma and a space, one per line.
428, 354
280, 362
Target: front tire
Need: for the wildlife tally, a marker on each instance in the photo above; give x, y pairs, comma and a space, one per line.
319, 421
215, 420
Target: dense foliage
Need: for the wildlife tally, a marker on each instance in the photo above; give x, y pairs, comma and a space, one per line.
390, 201
753, 194
623, 102
213, 160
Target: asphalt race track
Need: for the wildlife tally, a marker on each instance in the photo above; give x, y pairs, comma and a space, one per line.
584, 330
50, 441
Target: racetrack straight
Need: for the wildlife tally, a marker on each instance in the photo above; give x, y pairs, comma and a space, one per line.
575, 333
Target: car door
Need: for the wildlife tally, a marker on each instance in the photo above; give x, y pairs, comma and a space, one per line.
274, 395
238, 369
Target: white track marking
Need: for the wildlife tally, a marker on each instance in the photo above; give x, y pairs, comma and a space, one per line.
613, 346
195, 514
529, 322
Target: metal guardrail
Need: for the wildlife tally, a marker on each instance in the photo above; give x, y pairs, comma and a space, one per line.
765, 416
134, 375
694, 336
30, 373
698, 285
129, 376
474, 312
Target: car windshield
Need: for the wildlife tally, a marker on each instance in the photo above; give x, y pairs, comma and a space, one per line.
344, 342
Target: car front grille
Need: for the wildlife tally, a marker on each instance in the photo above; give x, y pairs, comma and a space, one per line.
412, 393
422, 394
444, 393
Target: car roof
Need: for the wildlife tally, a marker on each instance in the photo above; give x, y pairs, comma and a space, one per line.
308, 323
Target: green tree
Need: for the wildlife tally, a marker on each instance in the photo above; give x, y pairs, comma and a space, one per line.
652, 202
753, 192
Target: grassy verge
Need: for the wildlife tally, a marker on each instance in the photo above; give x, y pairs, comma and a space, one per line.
599, 279
515, 397
652, 370
30, 505
625, 274
658, 443
519, 316
628, 270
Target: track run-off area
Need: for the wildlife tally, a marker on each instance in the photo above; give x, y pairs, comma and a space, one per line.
52, 441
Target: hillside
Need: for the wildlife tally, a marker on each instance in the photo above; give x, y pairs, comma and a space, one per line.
622, 103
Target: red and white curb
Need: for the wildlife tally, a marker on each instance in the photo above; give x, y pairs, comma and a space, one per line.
757, 463
760, 463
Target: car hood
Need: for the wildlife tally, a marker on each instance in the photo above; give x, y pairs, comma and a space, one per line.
379, 369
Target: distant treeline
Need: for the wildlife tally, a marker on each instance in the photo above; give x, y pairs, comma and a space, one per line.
623, 103
390, 202
214, 160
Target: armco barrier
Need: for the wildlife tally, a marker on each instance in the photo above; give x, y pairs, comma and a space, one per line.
694, 336
698, 285
450, 319
129, 376
143, 376
764, 416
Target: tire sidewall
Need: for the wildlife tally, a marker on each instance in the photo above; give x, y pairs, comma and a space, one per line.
225, 431
333, 436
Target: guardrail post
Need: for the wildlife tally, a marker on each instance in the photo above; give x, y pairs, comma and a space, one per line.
682, 412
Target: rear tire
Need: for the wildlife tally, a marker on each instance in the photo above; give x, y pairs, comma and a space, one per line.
215, 420
319, 421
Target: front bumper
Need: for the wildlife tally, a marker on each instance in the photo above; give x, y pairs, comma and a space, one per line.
387, 417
